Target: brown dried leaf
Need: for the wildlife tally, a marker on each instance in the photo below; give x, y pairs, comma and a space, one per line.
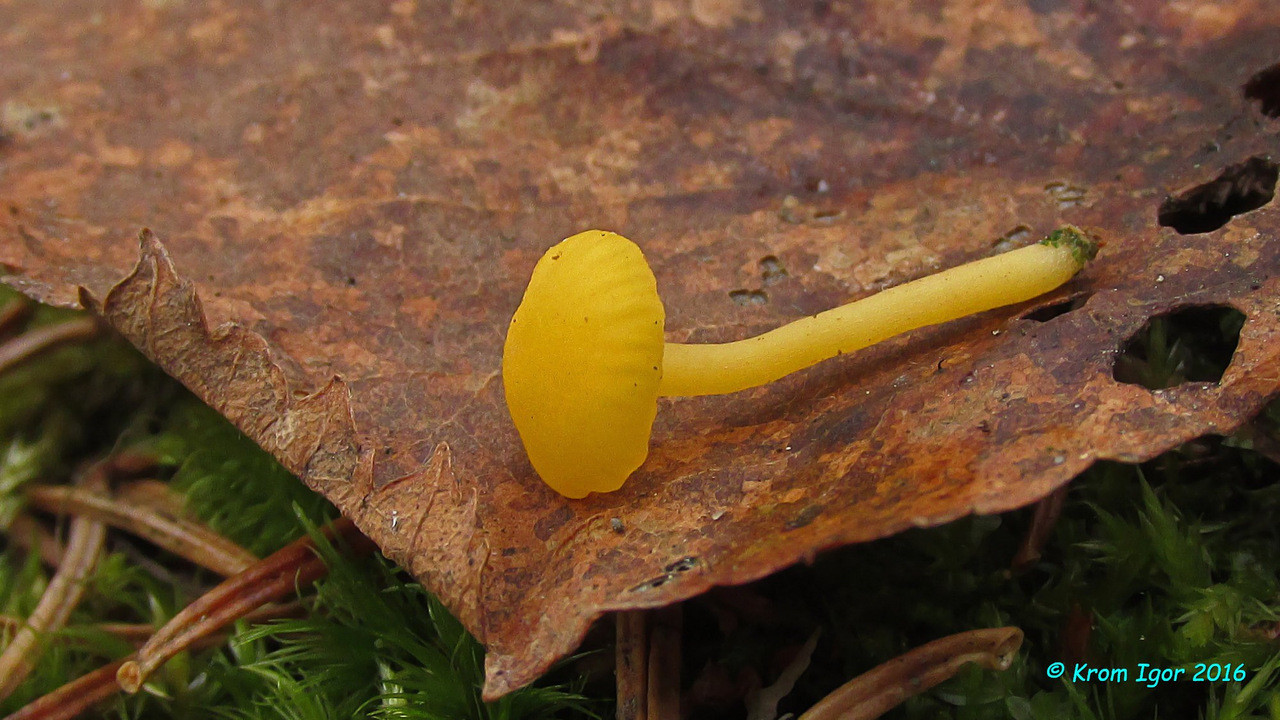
352, 196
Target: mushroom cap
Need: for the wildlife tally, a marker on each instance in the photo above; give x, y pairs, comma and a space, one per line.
582, 362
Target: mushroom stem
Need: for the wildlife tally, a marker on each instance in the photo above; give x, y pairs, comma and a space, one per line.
993, 282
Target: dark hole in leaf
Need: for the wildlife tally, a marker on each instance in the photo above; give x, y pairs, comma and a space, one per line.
684, 564
1067, 194
816, 185
1190, 345
1012, 239
1265, 88
749, 297
771, 270
1240, 188
1061, 307
651, 584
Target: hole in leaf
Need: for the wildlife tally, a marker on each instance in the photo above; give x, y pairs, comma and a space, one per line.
1265, 88
1240, 188
684, 564
816, 185
1066, 194
749, 297
1190, 345
771, 270
1010, 240
1061, 307
652, 584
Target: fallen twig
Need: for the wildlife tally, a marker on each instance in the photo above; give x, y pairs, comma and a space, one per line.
882, 688
269, 579
155, 494
14, 313
73, 698
763, 704
666, 632
61, 596
140, 633
33, 342
631, 664
647, 663
31, 535
183, 537
81, 694
1043, 522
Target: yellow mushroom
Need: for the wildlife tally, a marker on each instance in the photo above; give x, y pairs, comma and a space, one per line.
585, 359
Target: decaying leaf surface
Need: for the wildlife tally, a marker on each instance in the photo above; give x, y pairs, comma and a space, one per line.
350, 197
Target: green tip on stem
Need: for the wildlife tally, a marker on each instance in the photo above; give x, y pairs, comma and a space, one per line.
1083, 246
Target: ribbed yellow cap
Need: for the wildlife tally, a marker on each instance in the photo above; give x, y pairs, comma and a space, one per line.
582, 363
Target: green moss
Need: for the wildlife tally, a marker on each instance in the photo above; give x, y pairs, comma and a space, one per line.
373, 643
1172, 562
1083, 247
377, 645
229, 482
